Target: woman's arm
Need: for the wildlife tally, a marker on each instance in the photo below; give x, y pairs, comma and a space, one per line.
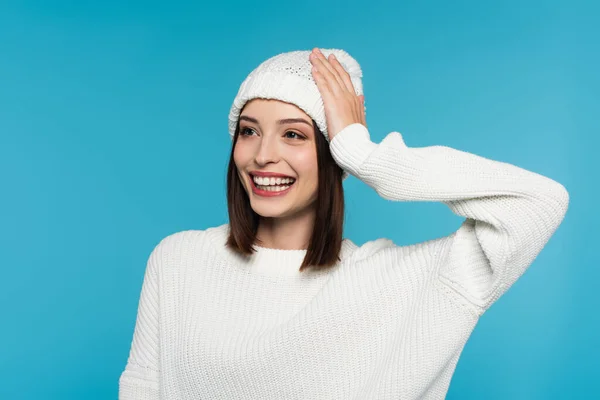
140, 380
511, 213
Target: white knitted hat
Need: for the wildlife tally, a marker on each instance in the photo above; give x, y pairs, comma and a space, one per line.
288, 77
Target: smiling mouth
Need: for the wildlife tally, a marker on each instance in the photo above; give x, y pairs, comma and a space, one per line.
271, 184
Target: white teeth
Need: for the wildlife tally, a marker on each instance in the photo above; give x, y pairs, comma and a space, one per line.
272, 181
272, 188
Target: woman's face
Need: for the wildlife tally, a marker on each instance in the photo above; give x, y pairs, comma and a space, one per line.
276, 158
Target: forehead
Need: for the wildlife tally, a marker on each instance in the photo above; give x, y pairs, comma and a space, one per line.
272, 109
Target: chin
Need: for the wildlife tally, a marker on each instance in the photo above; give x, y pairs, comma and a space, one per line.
268, 211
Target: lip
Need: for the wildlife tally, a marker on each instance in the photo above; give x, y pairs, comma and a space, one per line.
265, 193
269, 174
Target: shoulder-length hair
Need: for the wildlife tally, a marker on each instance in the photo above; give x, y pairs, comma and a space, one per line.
326, 240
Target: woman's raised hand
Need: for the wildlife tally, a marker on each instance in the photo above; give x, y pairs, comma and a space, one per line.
342, 106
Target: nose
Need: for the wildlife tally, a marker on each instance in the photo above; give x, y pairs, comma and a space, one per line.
267, 151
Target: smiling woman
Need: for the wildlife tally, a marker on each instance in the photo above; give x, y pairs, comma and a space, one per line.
276, 305
275, 139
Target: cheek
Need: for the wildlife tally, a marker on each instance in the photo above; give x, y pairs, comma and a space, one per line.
240, 154
305, 162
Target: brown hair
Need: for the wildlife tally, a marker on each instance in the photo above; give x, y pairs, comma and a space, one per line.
326, 239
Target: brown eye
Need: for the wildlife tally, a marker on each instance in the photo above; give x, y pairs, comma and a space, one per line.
297, 136
245, 130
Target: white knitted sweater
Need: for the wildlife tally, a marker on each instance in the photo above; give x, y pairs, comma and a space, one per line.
388, 322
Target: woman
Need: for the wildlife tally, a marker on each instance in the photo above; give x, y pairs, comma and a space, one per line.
276, 305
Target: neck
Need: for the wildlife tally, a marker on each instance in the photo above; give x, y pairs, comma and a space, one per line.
287, 233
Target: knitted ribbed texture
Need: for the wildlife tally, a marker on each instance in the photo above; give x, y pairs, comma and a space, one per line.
388, 322
288, 77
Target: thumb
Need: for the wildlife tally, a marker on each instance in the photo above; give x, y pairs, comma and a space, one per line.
364, 117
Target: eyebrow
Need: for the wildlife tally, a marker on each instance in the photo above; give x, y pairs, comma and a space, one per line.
279, 122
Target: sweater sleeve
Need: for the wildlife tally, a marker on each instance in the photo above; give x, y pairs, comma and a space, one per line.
140, 379
511, 213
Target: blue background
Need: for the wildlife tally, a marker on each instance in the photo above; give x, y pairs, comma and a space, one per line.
113, 134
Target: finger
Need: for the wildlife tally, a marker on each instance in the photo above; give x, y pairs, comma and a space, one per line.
335, 71
364, 109
328, 73
343, 74
322, 84
321, 57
